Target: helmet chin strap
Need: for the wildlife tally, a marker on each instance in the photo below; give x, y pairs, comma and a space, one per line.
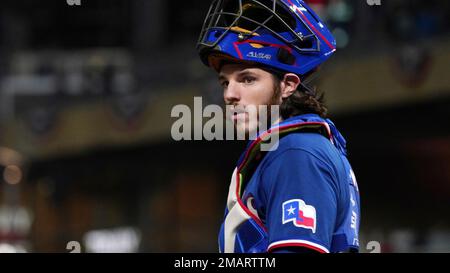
305, 84
308, 90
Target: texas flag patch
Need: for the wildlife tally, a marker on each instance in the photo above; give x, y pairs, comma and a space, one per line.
300, 214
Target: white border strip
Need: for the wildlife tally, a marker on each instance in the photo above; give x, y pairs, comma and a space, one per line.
324, 249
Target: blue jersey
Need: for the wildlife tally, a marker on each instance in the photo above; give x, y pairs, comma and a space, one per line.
302, 194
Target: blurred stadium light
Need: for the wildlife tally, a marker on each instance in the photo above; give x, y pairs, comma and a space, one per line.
118, 240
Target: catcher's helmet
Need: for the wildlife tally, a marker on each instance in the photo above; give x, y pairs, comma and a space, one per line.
284, 35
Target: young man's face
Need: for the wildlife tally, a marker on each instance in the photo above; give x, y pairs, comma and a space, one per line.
245, 86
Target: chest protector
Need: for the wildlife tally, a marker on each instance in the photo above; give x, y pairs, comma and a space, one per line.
242, 230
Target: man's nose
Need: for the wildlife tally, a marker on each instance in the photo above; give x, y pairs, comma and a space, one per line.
231, 93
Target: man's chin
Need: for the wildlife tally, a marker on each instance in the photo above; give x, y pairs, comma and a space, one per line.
243, 129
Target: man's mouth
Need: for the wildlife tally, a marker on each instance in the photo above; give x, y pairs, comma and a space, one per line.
239, 116
238, 113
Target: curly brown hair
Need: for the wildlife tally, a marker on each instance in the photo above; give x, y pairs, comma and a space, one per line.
305, 100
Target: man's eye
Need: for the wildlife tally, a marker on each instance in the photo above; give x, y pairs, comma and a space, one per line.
224, 84
249, 80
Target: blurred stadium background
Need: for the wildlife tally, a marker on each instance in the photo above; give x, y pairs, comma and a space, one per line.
85, 148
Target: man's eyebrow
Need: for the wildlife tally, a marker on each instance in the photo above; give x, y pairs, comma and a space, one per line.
242, 73
245, 72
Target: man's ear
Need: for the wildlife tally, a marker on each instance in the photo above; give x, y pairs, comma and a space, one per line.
289, 84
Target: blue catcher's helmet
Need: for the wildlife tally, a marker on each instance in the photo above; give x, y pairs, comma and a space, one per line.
284, 35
